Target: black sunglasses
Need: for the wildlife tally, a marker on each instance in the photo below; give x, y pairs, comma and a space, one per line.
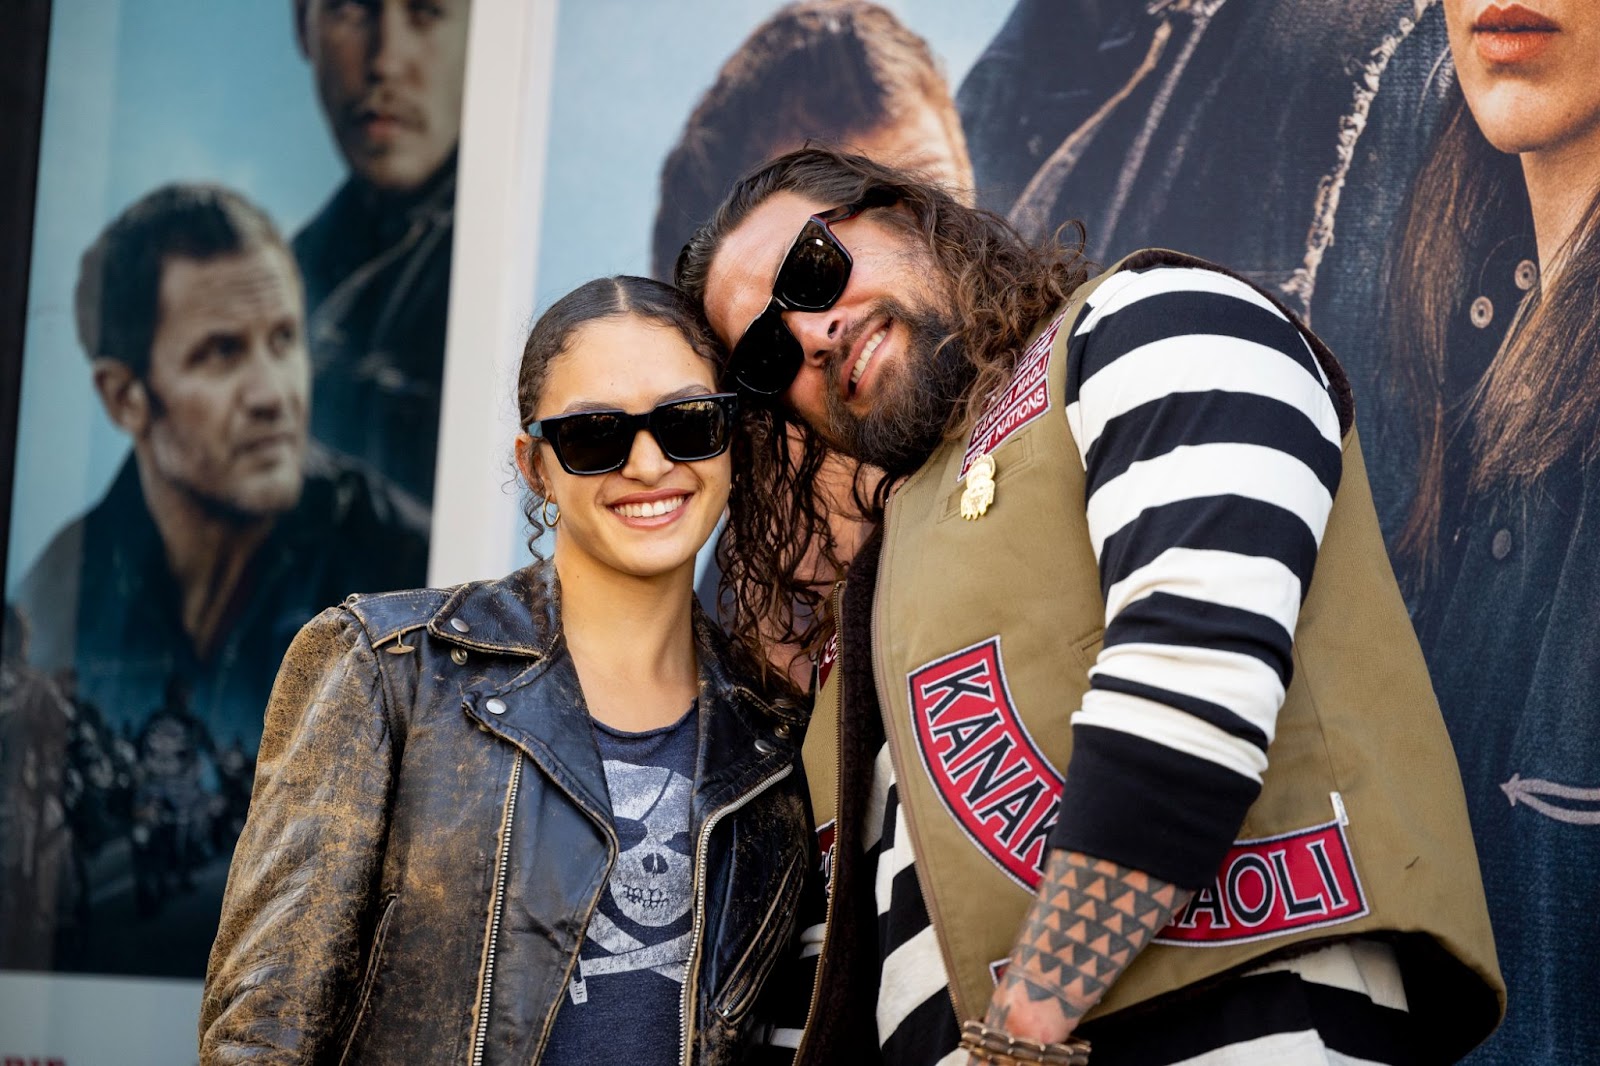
598, 442
812, 277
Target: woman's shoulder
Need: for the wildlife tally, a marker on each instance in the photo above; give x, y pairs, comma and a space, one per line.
514, 613
730, 666
385, 615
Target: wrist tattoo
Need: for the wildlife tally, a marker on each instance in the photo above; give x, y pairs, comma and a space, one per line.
1088, 921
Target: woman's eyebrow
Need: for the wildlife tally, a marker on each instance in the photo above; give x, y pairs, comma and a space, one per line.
684, 393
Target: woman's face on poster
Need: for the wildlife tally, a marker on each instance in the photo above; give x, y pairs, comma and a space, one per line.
1530, 71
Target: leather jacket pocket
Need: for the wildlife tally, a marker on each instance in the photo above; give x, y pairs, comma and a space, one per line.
350, 1026
770, 941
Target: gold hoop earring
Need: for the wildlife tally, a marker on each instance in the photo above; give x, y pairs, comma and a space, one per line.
548, 520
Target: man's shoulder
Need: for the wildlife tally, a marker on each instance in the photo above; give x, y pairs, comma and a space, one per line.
118, 520
354, 511
1177, 290
321, 247
344, 495
324, 226
55, 566
48, 595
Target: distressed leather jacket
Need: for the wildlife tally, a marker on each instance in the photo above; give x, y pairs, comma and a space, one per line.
431, 830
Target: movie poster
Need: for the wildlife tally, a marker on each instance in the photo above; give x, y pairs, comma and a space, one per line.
1354, 158
229, 413
1358, 160
1389, 168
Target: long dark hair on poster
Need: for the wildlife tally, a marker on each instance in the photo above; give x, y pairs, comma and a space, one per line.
1539, 400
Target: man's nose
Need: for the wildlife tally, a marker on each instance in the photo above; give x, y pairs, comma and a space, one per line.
393, 40
819, 332
270, 382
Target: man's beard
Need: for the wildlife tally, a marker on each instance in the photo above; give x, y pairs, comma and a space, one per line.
916, 395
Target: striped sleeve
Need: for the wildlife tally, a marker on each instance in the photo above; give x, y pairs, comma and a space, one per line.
1211, 449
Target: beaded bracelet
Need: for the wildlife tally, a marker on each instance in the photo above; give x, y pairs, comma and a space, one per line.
999, 1048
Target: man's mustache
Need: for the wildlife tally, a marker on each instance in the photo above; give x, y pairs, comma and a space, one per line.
385, 104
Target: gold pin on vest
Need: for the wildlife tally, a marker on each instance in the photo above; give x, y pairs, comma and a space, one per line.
979, 491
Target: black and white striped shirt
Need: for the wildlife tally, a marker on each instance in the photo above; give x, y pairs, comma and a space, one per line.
1211, 447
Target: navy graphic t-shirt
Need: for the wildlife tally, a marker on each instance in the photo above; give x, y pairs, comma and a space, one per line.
625, 992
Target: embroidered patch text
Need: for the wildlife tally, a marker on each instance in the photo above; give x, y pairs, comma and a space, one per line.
984, 765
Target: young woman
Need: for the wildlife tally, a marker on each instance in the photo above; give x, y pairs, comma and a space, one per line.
1496, 333
539, 819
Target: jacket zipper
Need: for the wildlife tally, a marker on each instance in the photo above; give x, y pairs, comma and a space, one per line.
838, 798
495, 910
691, 967
919, 857
737, 995
480, 1038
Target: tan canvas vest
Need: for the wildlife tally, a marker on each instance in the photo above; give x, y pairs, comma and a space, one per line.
986, 630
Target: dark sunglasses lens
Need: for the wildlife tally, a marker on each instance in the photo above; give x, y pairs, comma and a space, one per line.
592, 443
767, 357
814, 272
691, 430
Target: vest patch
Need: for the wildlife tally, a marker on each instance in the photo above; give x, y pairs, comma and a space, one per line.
1272, 887
830, 655
986, 768
1026, 399
826, 834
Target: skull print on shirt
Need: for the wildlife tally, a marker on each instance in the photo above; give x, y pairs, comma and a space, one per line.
642, 923
632, 964
650, 808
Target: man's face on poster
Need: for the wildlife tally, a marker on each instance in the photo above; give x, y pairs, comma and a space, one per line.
918, 139
229, 382
389, 75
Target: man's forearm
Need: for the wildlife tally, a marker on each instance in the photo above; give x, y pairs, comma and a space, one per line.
1091, 917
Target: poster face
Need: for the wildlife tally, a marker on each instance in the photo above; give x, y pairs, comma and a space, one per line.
230, 395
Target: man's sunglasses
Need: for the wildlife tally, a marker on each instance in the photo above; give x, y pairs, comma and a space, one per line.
812, 277
598, 442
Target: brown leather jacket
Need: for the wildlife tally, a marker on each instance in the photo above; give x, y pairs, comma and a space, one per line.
430, 830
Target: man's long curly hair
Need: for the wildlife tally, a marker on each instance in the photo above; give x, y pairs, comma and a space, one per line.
777, 555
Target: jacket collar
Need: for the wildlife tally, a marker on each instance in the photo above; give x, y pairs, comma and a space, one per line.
744, 736
519, 614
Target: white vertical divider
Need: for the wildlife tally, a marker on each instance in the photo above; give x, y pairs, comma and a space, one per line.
499, 199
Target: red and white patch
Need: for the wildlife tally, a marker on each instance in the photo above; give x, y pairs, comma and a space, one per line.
830, 655
1273, 887
990, 774
826, 834
1026, 399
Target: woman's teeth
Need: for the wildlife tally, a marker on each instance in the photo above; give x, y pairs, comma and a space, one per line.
653, 509
866, 356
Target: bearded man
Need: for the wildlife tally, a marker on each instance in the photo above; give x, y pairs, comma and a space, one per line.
1096, 756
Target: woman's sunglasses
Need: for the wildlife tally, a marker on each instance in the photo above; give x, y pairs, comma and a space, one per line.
812, 277
598, 442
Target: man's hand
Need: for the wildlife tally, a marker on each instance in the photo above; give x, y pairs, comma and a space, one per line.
1090, 919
